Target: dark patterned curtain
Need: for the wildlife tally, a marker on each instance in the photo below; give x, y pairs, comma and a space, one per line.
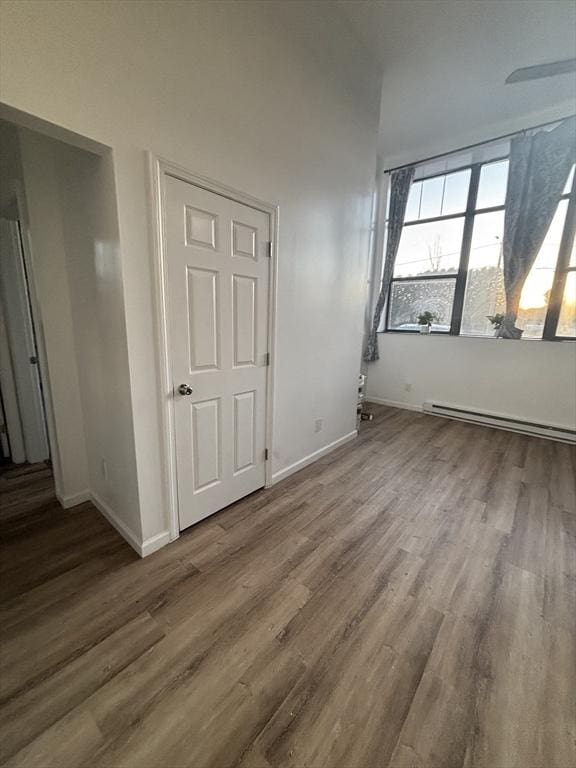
400, 182
538, 169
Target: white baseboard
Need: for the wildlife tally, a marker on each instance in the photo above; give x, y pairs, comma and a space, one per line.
393, 403
143, 548
115, 521
74, 500
312, 457
154, 543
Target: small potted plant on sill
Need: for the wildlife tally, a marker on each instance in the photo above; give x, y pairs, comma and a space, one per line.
425, 320
496, 321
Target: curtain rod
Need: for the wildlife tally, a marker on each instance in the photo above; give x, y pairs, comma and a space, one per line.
477, 144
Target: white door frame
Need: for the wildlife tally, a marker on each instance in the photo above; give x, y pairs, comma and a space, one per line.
158, 170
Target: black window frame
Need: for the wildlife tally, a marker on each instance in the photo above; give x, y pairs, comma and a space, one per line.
562, 269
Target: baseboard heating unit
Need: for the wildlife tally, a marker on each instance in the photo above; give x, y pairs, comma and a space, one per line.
551, 431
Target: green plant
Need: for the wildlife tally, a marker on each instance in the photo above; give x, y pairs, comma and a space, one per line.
427, 318
496, 319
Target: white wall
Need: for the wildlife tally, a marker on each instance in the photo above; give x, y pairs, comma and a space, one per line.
531, 380
276, 99
90, 226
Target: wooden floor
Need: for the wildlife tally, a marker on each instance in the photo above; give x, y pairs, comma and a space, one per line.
409, 600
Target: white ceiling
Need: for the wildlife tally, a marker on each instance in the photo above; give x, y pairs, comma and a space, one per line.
444, 63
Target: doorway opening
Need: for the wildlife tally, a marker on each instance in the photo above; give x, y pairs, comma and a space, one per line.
64, 378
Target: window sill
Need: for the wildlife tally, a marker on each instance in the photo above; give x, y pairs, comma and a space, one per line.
445, 335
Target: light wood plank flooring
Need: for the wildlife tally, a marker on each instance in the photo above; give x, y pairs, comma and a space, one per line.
409, 600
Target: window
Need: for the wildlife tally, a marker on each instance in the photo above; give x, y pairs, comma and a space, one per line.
429, 253
449, 260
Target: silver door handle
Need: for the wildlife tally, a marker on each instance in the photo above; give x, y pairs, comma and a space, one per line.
184, 389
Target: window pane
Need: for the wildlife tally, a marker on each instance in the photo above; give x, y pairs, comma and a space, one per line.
441, 196
485, 284
432, 191
409, 298
413, 204
430, 248
536, 291
492, 187
456, 192
567, 320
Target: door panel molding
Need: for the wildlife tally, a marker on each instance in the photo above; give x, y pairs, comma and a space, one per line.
245, 248
203, 346
244, 430
244, 315
207, 427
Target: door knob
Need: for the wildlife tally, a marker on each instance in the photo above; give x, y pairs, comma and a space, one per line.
184, 389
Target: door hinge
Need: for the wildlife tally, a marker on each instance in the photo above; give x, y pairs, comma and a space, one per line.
267, 359
269, 249
33, 360
265, 454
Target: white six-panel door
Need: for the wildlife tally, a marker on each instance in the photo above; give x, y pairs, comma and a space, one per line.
217, 275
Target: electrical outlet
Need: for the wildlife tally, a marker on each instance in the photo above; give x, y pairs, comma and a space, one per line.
104, 469
318, 424
408, 387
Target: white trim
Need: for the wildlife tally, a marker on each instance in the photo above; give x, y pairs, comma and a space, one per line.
144, 548
74, 499
52, 130
158, 168
154, 543
393, 403
274, 212
115, 521
312, 457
